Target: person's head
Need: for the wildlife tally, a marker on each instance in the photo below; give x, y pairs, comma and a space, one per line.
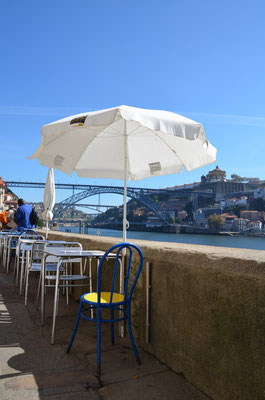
20, 202
11, 207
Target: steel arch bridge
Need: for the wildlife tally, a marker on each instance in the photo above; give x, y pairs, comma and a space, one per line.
138, 194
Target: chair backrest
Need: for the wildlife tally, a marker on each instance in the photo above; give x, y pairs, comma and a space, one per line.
32, 237
129, 251
39, 247
4, 231
29, 234
3, 234
15, 232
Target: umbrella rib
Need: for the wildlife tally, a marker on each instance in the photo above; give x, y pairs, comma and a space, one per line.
81, 154
173, 151
133, 131
111, 127
61, 134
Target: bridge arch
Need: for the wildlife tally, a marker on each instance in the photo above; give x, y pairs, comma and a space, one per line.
133, 193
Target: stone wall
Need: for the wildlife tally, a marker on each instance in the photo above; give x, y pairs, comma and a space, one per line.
207, 313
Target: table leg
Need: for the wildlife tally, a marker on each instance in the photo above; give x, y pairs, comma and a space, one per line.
7, 261
27, 278
21, 273
122, 269
42, 301
56, 297
16, 263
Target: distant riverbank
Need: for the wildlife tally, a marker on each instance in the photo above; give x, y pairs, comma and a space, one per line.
245, 242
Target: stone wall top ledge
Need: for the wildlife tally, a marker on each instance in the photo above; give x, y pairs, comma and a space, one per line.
158, 249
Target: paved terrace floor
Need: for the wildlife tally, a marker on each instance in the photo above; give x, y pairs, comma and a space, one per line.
32, 368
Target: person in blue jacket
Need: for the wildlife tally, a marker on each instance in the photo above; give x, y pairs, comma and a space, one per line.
22, 215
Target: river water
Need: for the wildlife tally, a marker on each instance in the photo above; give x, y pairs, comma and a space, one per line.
243, 242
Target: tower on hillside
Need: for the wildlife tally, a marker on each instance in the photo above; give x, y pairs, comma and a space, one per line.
216, 175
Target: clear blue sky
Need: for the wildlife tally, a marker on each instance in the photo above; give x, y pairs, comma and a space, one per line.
203, 59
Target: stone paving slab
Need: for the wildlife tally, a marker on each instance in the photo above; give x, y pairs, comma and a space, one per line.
32, 368
163, 385
47, 384
120, 365
29, 387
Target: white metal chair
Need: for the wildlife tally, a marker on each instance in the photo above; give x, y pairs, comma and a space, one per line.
34, 254
3, 236
11, 246
24, 243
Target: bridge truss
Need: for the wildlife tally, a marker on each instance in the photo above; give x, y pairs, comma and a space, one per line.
134, 193
140, 194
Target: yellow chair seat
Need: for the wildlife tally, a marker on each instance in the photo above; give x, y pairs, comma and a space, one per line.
104, 298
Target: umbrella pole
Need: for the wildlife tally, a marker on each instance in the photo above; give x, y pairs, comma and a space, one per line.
125, 222
46, 236
124, 235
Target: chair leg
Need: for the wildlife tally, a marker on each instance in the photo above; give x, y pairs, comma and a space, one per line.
9, 258
26, 287
24, 273
75, 328
38, 294
21, 277
56, 301
18, 268
98, 341
15, 267
131, 336
112, 325
67, 293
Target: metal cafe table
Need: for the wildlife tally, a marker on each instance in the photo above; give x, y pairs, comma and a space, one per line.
64, 255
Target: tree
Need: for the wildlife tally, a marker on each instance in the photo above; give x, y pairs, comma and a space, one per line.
171, 219
40, 223
260, 204
262, 216
189, 208
237, 178
236, 209
215, 221
252, 180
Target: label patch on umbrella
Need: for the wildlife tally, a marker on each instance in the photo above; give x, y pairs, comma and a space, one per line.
154, 167
79, 120
58, 160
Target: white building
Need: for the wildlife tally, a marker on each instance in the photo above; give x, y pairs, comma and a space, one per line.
256, 226
259, 193
242, 201
240, 224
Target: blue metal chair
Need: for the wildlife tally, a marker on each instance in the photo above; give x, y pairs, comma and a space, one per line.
110, 300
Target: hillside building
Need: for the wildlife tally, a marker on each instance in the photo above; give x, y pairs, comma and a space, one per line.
228, 221
251, 215
240, 224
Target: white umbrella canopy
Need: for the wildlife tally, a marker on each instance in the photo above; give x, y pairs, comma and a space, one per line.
48, 199
124, 143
